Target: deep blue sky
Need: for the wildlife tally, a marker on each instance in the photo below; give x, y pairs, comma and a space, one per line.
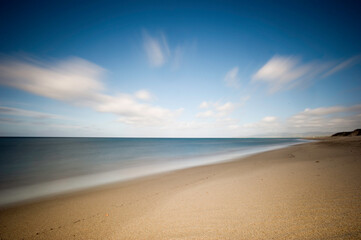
197, 69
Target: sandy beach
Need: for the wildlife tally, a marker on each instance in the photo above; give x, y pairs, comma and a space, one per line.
307, 191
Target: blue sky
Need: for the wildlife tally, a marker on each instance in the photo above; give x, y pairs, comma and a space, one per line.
179, 69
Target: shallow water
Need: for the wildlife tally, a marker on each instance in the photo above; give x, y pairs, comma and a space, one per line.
34, 167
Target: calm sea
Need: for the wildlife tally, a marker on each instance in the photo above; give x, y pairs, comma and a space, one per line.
35, 167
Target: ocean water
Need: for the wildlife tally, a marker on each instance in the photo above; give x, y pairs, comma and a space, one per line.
36, 167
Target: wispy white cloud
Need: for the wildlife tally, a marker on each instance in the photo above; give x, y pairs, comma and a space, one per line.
144, 95
244, 99
157, 49
215, 109
205, 114
224, 109
329, 110
177, 58
269, 119
79, 82
344, 64
267, 124
67, 80
279, 72
34, 123
165, 44
286, 72
231, 78
219, 127
327, 118
324, 120
204, 104
132, 112
159, 52
215, 118
26, 113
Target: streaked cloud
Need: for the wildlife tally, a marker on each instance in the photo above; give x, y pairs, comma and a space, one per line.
215, 109
268, 124
79, 82
69, 80
132, 112
224, 109
144, 95
343, 65
34, 122
335, 117
279, 72
329, 110
7, 120
323, 120
157, 49
244, 99
204, 104
177, 58
205, 114
286, 72
160, 53
26, 113
165, 44
269, 119
231, 78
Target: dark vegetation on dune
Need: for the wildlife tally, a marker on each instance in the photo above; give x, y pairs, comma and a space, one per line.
356, 132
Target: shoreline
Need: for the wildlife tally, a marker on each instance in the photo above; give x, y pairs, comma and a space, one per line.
43, 190
309, 190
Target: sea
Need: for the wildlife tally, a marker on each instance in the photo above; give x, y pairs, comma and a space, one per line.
34, 167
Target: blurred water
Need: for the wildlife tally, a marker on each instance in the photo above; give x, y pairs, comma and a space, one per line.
33, 167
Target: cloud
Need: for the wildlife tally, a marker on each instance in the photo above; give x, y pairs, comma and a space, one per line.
329, 110
231, 78
335, 118
165, 44
17, 121
67, 80
177, 59
205, 114
345, 64
9, 121
204, 104
216, 109
224, 109
286, 72
79, 82
133, 112
244, 99
322, 121
279, 72
268, 123
143, 95
26, 113
309, 122
269, 119
215, 119
157, 50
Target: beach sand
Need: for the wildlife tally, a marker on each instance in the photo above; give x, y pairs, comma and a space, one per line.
307, 191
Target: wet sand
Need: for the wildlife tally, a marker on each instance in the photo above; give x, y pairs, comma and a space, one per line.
307, 191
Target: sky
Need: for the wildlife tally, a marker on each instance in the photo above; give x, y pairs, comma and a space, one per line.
179, 68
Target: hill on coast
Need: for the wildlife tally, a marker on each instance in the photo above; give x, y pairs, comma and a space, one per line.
356, 132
